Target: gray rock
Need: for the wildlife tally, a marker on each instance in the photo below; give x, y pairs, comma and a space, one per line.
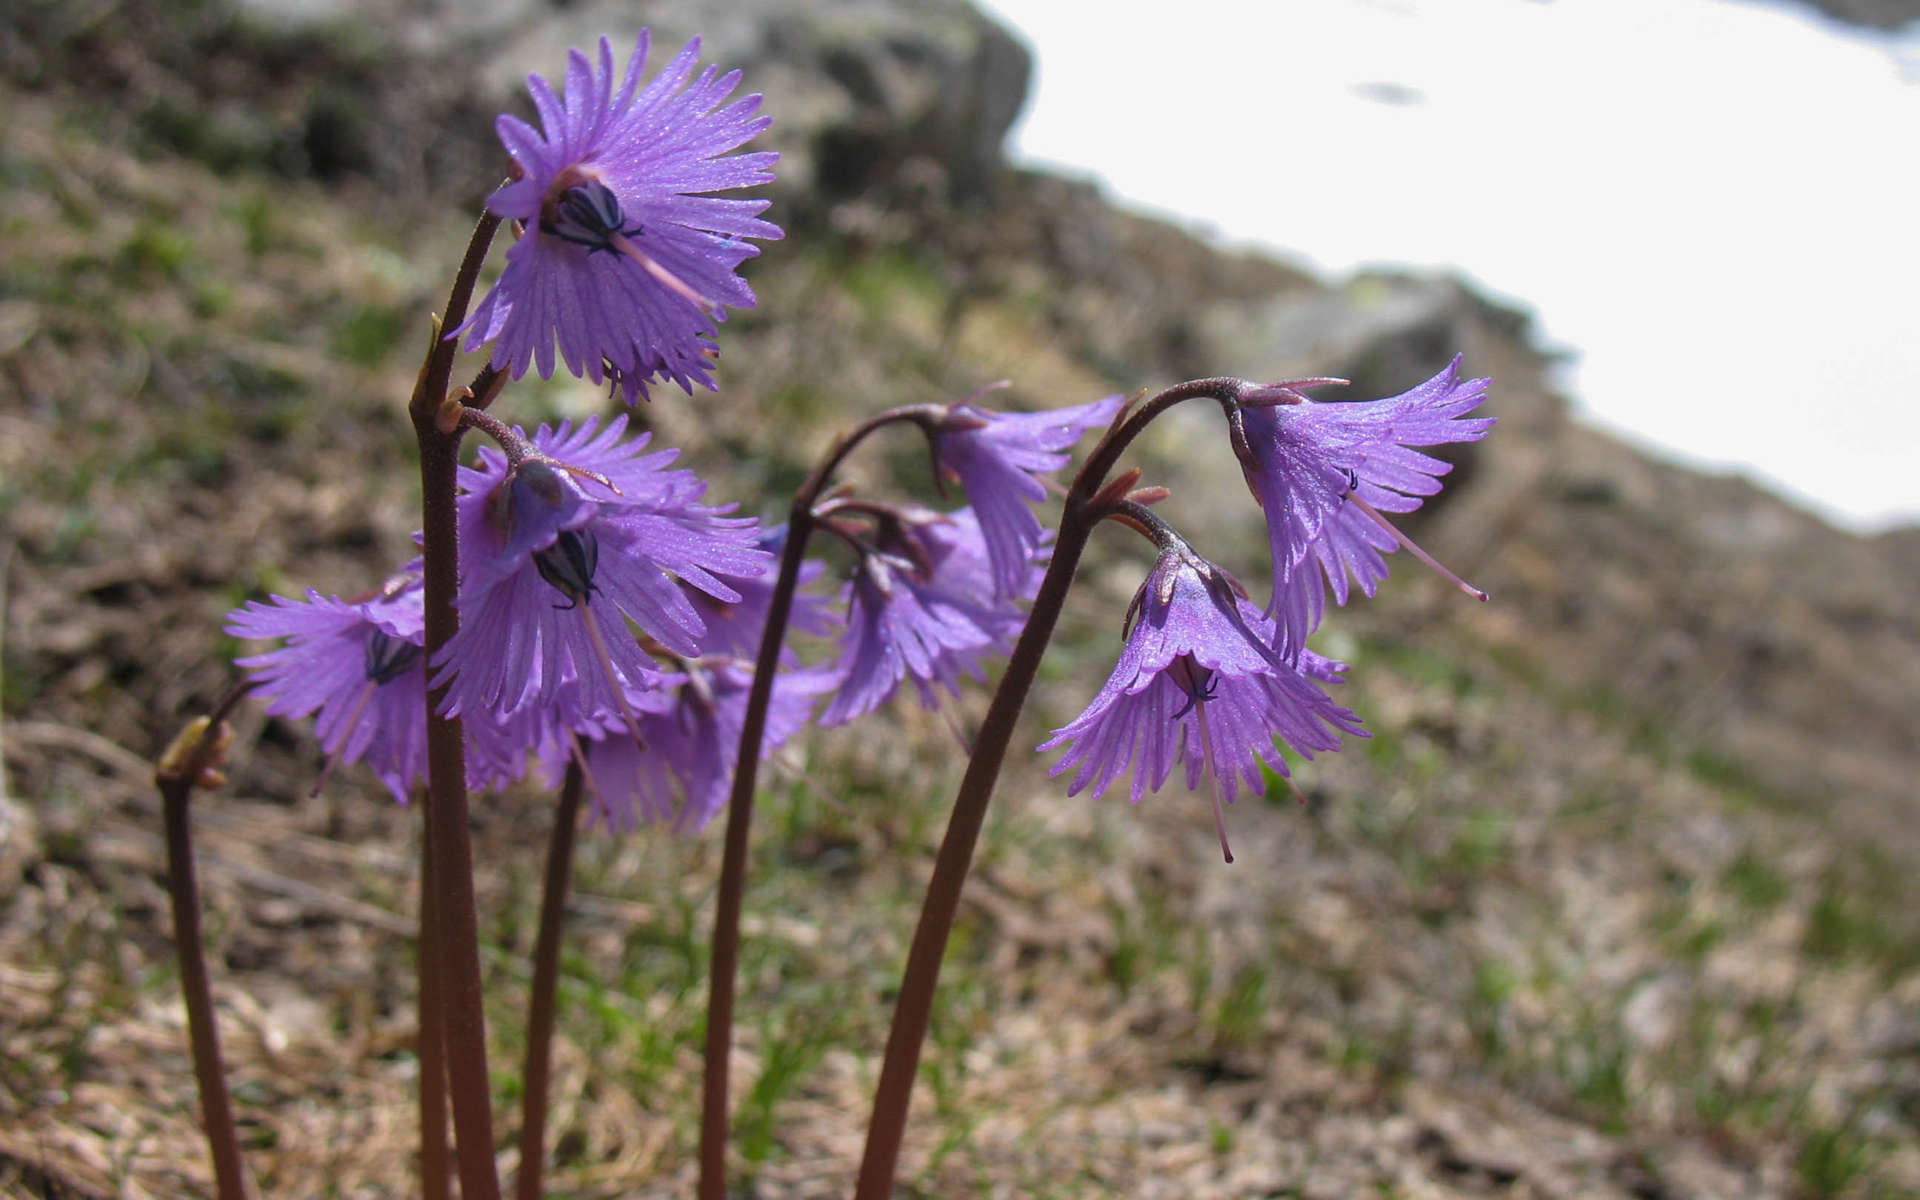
858, 87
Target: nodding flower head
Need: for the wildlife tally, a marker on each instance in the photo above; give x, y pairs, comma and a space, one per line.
1324, 474
691, 728
921, 606
357, 664
623, 258
560, 546
996, 458
1198, 682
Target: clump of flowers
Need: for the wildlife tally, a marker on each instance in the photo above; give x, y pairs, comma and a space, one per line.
578, 604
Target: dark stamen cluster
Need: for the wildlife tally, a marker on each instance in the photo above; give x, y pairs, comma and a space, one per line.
589, 215
569, 565
388, 657
1198, 682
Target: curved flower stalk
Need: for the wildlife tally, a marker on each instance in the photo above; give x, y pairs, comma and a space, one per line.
806, 513
996, 458
623, 260
1198, 683
563, 518
1196, 650
1324, 474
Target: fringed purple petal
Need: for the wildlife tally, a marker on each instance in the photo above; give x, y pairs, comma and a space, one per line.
1305, 459
655, 148
995, 457
1203, 652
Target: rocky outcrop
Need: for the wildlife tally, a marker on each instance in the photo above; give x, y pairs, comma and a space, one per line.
866, 92
860, 87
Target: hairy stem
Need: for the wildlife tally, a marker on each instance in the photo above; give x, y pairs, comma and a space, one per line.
733, 862
546, 981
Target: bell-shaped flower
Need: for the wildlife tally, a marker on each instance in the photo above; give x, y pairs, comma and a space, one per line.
1324, 473
358, 665
923, 607
578, 517
1199, 683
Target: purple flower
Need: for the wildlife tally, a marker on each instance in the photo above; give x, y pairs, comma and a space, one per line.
578, 516
691, 727
734, 629
621, 259
1198, 682
358, 664
955, 553
1325, 472
995, 457
923, 608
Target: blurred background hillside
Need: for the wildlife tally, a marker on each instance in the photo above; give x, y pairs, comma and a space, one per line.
1697, 200
1618, 900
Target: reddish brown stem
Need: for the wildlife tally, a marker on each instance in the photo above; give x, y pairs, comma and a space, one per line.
176, 780
546, 981
914, 1007
448, 840
436, 1164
